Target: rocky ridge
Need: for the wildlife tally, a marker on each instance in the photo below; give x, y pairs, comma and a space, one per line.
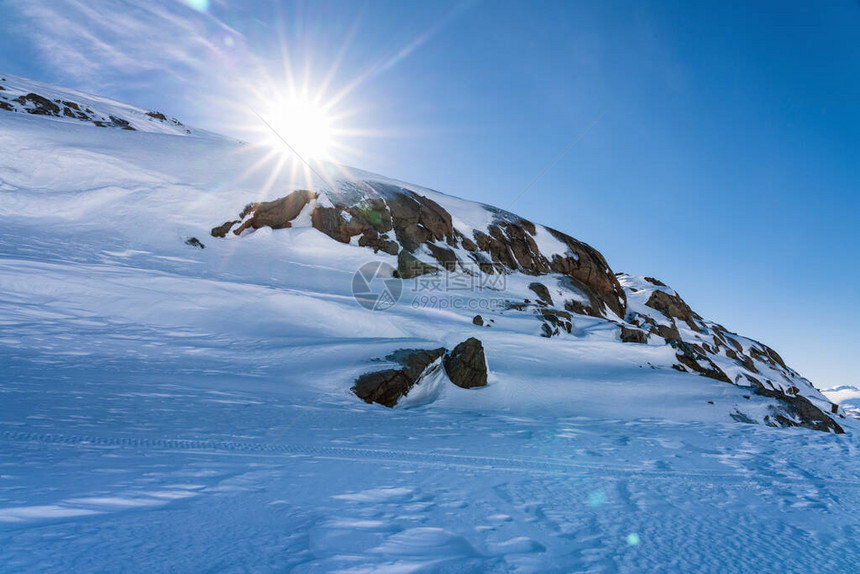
32, 98
399, 221
571, 279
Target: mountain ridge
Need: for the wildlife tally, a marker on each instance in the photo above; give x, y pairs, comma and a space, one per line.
21, 95
421, 234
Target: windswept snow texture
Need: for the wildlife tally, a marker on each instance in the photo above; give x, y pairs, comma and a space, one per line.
165, 408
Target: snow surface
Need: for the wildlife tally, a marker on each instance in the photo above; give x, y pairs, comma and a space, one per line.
165, 408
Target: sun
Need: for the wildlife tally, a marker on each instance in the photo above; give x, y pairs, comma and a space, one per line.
305, 125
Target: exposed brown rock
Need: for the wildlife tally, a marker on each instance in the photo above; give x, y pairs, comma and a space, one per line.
388, 386
693, 357
800, 407
378, 243
508, 244
417, 219
330, 221
467, 243
342, 222
673, 307
40, 106
383, 387
121, 123
587, 268
276, 214
415, 361
497, 248
554, 322
221, 230
734, 342
666, 331
767, 355
444, 256
742, 359
579, 308
630, 335
478, 320
542, 292
408, 266
524, 249
466, 365
527, 225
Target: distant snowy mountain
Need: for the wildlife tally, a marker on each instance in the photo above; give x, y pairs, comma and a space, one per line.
200, 327
29, 97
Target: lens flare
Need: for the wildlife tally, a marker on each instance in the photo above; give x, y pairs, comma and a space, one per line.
633, 539
199, 5
596, 499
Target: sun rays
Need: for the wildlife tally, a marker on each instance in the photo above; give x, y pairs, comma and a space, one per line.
300, 110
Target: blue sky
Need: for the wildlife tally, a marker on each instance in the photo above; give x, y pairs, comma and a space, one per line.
722, 151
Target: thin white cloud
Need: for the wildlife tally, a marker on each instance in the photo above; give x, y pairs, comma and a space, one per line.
103, 42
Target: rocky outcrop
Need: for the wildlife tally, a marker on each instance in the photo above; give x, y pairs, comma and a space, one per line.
223, 229
694, 358
798, 411
415, 361
418, 220
383, 387
590, 272
511, 247
554, 322
36, 104
408, 266
378, 243
542, 293
710, 350
275, 214
388, 386
466, 365
29, 102
630, 335
426, 240
656, 282
368, 218
673, 307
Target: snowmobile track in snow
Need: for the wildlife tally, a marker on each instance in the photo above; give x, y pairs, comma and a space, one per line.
467, 461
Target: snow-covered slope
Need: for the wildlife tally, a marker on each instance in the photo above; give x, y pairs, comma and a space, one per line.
464, 255
26, 96
210, 380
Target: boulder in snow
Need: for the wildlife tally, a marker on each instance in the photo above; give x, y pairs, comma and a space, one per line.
466, 365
